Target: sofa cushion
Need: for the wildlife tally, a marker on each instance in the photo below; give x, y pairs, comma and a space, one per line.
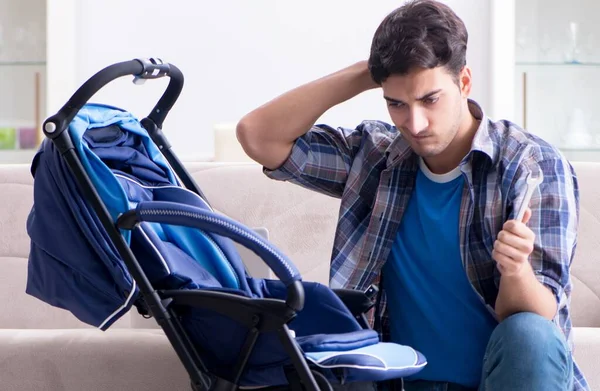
16, 197
587, 353
585, 269
89, 359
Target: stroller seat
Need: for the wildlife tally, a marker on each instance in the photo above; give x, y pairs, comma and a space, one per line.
117, 222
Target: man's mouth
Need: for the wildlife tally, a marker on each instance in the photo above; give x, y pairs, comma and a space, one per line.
422, 137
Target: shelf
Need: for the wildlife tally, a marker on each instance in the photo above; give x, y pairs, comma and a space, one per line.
579, 149
17, 156
559, 64
21, 63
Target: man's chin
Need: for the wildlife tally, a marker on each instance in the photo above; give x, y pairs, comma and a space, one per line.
425, 152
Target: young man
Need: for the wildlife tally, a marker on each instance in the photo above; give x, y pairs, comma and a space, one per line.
431, 206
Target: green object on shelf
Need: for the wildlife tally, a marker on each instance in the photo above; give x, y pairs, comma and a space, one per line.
8, 138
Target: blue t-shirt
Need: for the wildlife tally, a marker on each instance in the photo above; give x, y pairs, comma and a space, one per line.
432, 305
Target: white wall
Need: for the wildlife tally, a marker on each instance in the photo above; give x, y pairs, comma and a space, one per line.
237, 54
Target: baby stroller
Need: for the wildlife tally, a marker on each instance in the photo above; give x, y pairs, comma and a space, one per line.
118, 222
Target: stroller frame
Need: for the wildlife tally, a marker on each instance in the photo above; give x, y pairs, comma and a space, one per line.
259, 315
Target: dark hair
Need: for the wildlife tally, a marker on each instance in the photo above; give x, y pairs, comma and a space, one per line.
419, 34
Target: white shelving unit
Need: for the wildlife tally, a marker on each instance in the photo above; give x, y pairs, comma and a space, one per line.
557, 73
22, 78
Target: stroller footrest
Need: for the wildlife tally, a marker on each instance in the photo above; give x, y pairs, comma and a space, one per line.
337, 342
376, 362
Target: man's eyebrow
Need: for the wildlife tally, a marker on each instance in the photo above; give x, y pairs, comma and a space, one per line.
427, 95
392, 100
430, 94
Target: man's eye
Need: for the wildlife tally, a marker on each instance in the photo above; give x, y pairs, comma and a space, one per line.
395, 104
431, 100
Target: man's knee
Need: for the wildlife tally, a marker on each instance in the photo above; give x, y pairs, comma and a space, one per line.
527, 351
528, 334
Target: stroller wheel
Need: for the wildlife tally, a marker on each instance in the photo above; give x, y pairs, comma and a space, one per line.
322, 382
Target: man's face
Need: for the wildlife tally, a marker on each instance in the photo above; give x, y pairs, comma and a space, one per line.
426, 105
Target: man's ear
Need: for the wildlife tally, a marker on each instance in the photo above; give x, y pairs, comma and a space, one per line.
465, 81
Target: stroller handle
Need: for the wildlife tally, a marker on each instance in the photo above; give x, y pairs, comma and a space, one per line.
142, 69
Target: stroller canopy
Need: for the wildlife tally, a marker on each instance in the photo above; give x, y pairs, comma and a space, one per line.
84, 263
125, 167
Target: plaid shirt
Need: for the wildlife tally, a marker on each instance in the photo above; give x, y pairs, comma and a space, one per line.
373, 169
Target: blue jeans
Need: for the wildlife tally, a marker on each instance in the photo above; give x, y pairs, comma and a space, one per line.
525, 352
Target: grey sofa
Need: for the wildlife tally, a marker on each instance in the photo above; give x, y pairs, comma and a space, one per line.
45, 348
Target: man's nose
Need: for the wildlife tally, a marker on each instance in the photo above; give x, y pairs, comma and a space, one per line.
416, 122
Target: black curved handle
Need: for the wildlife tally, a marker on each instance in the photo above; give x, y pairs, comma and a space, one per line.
190, 216
140, 68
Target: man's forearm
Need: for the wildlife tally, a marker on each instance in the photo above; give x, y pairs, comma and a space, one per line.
524, 293
268, 132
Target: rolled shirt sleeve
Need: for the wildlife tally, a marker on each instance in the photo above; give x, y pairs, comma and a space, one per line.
322, 158
554, 220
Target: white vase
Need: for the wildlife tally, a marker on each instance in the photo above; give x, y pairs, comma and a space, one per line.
577, 134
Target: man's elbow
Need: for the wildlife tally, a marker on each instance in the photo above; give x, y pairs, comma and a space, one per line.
247, 135
260, 146
547, 311
503, 312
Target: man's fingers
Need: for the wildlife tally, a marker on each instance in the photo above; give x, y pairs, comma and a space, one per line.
519, 229
508, 251
511, 240
502, 259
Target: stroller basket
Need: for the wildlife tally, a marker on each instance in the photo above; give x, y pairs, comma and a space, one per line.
118, 222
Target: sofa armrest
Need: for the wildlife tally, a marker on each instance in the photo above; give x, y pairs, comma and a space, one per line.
587, 353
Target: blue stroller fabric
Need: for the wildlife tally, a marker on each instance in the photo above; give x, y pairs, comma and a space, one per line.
74, 265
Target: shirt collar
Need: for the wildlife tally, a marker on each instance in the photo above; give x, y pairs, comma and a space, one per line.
482, 141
